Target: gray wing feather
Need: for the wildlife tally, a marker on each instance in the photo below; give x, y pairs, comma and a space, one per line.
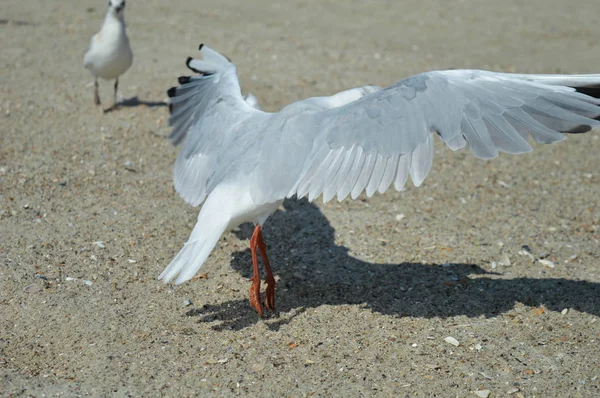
383, 137
198, 106
363, 139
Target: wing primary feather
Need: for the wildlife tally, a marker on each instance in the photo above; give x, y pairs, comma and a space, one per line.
478, 138
353, 173
331, 172
316, 183
505, 136
389, 173
364, 175
402, 171
332, 184
305, 179
421, 161
538, 131
375, 179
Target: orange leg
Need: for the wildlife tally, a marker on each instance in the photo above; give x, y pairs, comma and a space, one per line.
256, 242
270, 292
255, 287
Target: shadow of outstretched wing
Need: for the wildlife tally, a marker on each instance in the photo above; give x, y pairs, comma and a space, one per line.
314, 271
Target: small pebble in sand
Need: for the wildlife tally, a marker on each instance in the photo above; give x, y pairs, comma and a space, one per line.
526, 251
187, 302
482, 393
565, 311
258, 367
547, 263
400, 217
33, 288
452, 340
88, 283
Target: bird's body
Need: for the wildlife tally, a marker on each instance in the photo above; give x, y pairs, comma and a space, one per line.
242, 162
109, 55
228, 206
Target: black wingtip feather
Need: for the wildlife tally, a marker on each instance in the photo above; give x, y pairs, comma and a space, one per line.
170, 108
593, 91
184, 79
200, 46
187, 63
171, 92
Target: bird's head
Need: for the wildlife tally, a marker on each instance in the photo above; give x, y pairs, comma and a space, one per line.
116, 7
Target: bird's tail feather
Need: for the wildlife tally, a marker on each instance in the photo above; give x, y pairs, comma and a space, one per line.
194, 253
212, 62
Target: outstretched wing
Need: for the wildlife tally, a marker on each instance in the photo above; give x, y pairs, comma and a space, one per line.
199, 107
384, 137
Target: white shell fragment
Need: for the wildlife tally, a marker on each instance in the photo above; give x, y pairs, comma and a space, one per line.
526, 251
452, 340
482, 393
547, 263
100, 244
504, 260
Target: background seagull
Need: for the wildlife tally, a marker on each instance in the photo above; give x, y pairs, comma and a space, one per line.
109, 55
242, 162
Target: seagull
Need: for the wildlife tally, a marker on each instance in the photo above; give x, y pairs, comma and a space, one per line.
240, 162
109, 54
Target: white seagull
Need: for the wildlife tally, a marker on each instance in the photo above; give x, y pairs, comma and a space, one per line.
109, 55
242, 162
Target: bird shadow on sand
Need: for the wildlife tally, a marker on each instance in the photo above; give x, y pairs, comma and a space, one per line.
135, 102
314, 271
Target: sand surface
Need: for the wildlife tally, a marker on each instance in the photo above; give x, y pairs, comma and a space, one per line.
368, 289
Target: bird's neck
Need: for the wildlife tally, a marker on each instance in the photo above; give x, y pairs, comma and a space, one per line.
115, 19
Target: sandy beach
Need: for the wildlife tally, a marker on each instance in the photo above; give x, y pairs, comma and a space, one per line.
368, 290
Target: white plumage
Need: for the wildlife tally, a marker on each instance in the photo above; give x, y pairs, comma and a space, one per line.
109, 55
242, 162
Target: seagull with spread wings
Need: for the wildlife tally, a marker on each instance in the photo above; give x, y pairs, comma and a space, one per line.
240, 163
